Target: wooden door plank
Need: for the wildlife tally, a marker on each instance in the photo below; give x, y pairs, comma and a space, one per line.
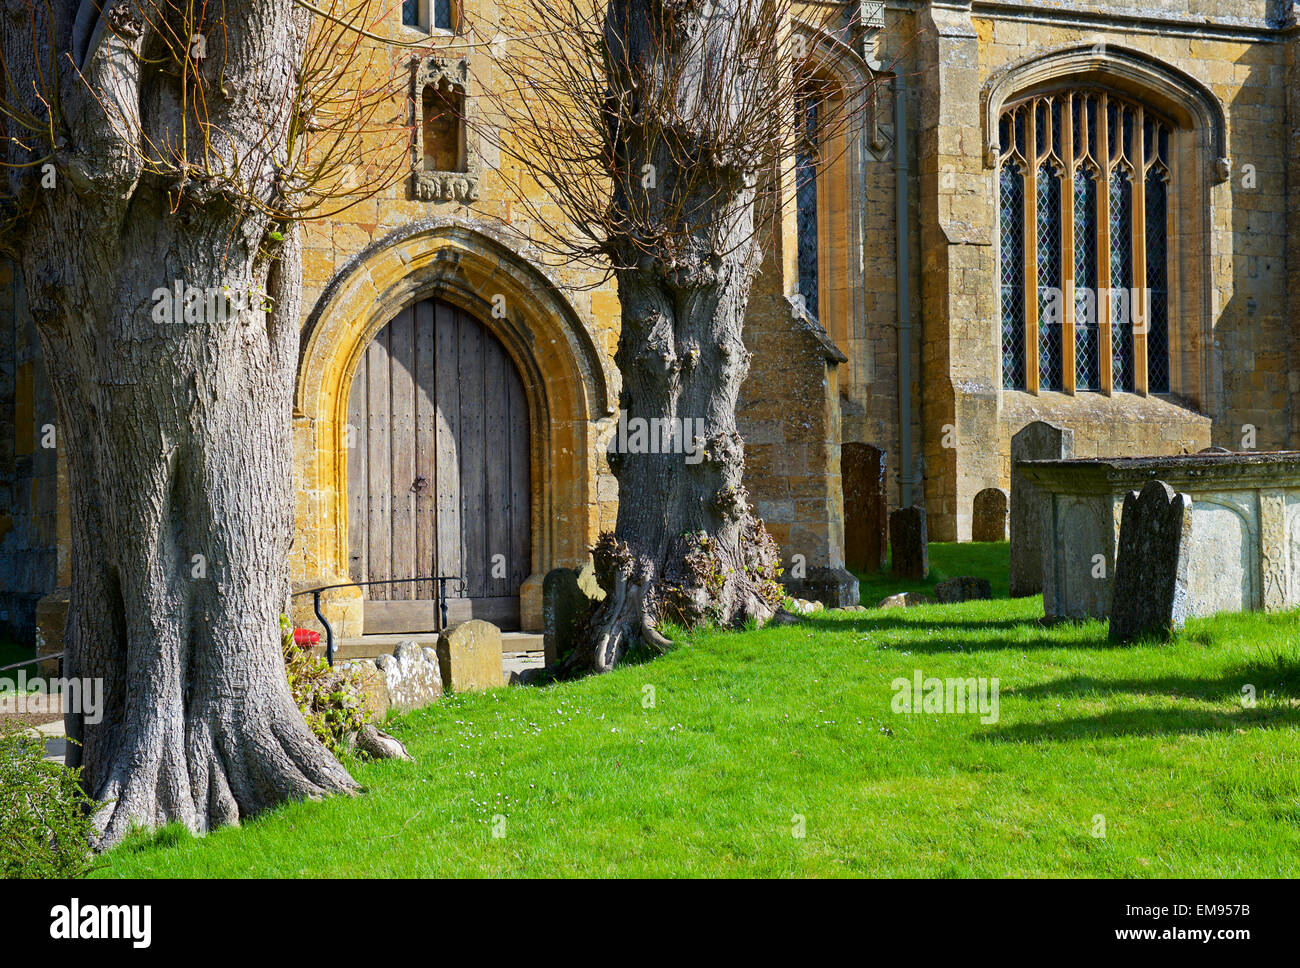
447, 452
379, 451
426, 445
473, 477
497, 371
401, 362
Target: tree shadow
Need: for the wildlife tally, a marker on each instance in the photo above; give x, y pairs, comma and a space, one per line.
1145, 722
1283, 675
1273, 684
962, 635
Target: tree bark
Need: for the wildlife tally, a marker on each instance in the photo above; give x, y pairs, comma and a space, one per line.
176, 432
687, 546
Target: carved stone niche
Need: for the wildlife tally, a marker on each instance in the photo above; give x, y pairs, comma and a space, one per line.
441, 167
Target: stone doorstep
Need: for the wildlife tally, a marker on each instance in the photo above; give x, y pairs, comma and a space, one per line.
373, 646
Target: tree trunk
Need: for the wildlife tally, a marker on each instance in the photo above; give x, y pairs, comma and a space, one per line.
176, 430
687, 546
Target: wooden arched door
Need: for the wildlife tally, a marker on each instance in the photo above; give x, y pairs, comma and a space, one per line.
438, 471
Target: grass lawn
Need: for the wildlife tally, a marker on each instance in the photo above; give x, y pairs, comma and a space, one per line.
750, 732
11, 652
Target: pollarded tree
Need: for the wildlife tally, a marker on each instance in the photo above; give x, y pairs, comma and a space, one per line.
655, 131
159, 153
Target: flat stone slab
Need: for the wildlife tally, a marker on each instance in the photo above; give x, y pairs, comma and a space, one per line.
963, 589
1244, 550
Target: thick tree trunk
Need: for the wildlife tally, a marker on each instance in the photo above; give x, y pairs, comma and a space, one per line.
687, 546
176, 430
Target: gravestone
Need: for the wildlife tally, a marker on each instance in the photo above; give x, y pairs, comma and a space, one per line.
990, 520
908, 544
562, 601
866, 507
568, 596
1036, 441
469, 657
963, 589
831, 587
1150, 591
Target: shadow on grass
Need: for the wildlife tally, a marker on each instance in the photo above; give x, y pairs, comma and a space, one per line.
1273, 684
1279, 677
963, 635
883, 620
1146, 722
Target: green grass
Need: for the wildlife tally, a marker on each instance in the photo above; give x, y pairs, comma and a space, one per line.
946, 561
748, 732
11, 652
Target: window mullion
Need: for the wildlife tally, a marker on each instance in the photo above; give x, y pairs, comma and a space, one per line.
1067, 247
1139, 303
1105, 306
1031, 251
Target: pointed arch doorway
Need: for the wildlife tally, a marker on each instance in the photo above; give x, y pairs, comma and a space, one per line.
438, 471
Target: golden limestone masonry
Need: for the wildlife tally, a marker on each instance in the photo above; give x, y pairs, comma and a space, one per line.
1074, 212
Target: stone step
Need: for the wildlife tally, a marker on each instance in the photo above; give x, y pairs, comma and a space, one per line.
373, 646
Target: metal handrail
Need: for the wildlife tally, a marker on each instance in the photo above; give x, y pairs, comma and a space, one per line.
39, 658
441, 601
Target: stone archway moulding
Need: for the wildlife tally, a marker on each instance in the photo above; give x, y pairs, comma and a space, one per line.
567, 382
1162, 85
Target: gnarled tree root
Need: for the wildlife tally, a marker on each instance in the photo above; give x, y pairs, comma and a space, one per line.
621, 620
376, 743
218, 772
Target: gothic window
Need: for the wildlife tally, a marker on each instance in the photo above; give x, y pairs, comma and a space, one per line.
806, 161
1084, 218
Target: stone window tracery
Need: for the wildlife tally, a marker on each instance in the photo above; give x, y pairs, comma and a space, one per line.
1084, 217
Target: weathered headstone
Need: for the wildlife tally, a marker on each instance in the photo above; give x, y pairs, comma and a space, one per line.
866, 507
562, 602
989, 522
469, 657
831, 587
1036, 441
413, 676
1150, 589
908, 544
963, 589
1214, 450
568, 597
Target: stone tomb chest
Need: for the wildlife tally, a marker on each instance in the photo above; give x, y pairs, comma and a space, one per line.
1245, 551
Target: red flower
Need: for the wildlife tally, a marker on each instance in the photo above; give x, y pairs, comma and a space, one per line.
305, 637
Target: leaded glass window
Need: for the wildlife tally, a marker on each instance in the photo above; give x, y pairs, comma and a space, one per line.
436, 14
1012, 193
1083, 195
1121, 278
806, 161
1087, 315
